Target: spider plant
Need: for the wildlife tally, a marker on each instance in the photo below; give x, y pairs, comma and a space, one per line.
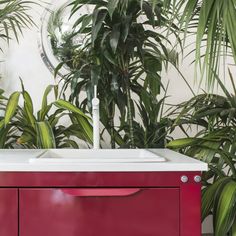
20, 126
123, 48
214, 143
14, 17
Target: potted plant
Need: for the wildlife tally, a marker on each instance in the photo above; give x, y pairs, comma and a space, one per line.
21, 127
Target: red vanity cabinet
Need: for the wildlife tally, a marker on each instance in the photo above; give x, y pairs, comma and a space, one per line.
106, 204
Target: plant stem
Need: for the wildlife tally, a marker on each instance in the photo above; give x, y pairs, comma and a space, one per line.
130, 115
111, 125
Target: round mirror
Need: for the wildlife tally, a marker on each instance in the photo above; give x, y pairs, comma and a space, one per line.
58, 39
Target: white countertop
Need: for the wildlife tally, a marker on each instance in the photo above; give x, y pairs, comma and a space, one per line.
18, 161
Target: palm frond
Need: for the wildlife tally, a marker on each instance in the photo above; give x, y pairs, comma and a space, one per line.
14, 16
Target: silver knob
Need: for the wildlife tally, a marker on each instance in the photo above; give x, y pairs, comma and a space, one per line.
197, 178
184, 179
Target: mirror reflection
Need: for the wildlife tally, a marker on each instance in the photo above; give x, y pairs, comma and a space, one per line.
59, 40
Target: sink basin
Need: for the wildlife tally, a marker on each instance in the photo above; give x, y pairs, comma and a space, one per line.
67, 156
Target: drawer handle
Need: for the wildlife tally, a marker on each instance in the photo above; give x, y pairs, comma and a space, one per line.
100, 192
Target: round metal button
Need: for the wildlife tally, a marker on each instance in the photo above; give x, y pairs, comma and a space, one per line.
184, 179
197, 179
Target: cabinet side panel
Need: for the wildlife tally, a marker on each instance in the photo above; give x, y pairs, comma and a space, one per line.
190, 210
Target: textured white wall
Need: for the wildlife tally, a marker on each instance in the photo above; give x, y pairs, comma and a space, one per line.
23, 60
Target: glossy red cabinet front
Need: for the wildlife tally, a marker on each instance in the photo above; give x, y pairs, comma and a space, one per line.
8, 212
99, 212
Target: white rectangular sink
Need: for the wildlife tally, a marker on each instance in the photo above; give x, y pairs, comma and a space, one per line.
68, 156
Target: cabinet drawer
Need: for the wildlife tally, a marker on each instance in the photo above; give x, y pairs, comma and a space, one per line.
99, 211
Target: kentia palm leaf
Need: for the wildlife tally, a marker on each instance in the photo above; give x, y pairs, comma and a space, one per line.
213, 22
14, 16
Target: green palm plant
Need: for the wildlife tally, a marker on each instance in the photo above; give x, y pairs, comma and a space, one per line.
213, 23
44, 130
123, 49
14, 17
214, 143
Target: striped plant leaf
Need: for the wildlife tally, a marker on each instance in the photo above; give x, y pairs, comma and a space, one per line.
45, 136
11, 106
208, 196
70, 107
45, 107
3, 136
29, 109
2, 123
86, 127
224, 209
233, 230
180, 143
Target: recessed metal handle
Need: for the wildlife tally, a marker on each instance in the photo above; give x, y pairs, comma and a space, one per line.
100, 192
